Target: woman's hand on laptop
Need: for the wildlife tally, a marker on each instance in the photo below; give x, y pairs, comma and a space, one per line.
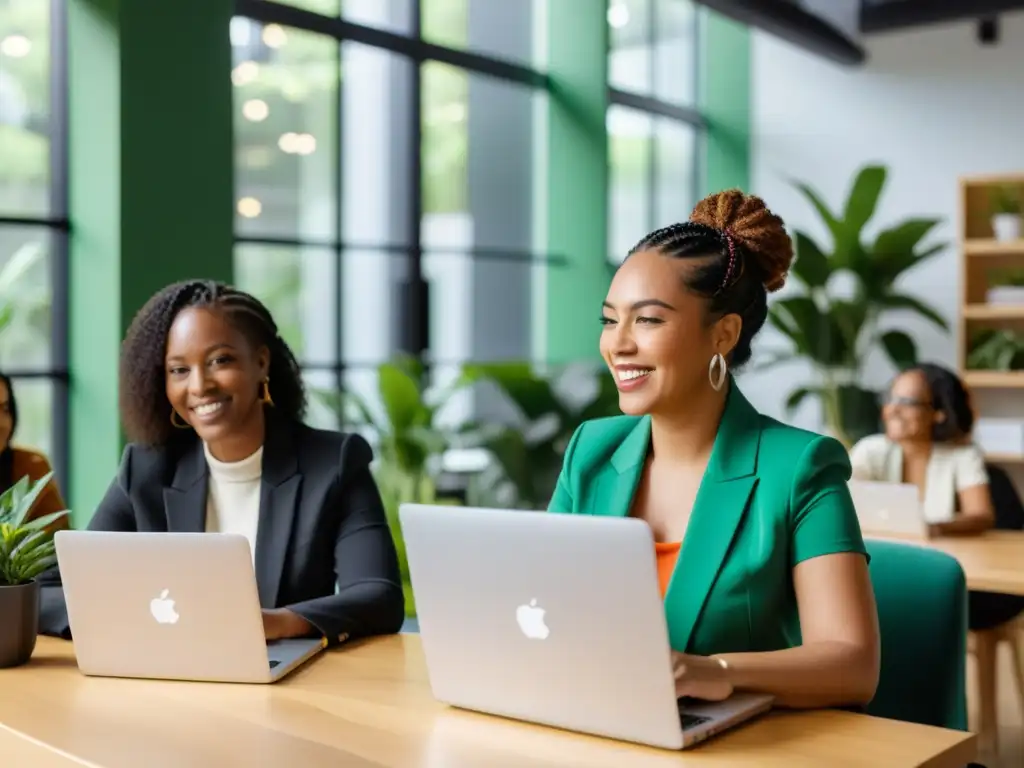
280, 623
700, 677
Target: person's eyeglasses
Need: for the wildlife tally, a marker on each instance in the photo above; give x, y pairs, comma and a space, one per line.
909, 402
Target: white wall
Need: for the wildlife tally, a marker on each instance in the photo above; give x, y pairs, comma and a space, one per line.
932, 105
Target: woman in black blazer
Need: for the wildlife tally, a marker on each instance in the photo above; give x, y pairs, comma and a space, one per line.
212, 399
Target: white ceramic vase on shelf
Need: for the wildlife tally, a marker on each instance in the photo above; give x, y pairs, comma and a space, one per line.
1006, 227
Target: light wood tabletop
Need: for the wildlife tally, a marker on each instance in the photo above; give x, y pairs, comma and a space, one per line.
992, 561
369, 704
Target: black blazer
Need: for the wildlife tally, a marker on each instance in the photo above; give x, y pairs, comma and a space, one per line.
321, 524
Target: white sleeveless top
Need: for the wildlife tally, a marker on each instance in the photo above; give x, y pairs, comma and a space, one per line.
951, 468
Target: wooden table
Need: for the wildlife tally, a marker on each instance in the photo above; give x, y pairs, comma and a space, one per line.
992, 562
370, 704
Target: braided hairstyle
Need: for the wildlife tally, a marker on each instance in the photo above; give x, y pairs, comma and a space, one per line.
949, 397
145, 411
740, 250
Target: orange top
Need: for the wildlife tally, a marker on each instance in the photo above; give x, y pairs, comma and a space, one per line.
35, 465
666, 553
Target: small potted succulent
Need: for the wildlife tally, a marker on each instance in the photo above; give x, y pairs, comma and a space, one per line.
26, 550
1006, 210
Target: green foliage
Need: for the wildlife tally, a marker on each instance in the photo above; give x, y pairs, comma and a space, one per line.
530, 454
835, 335
1006, 199
411, 442
996, 350
26, 546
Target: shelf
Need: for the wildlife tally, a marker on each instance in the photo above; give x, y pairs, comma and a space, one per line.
994, 379
988, 247
1005, 458
994, 311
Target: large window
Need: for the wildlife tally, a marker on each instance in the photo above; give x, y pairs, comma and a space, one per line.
33, 221
654, 127
386, 155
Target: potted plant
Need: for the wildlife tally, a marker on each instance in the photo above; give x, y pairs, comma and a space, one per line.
835, 334
26, 550
1006, 207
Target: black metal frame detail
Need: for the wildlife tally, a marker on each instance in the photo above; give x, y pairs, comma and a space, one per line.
414, 318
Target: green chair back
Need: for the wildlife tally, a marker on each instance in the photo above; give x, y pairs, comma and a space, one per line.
922, 612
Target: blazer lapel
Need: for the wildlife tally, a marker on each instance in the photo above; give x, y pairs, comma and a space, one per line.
615, 489
279, 494
717, 513
185, 498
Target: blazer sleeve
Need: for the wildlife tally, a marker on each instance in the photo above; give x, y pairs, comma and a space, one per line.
369, 599
114, 513
823, 519
562, 499
36, 466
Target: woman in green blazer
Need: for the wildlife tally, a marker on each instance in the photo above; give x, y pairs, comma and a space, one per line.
760, 555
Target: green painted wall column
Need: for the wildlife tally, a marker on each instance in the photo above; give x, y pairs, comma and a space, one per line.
575, 184
151, 187
724, 100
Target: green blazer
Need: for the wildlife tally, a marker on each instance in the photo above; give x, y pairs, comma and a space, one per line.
772, 496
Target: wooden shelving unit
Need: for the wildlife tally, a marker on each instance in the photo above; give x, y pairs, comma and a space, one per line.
981, 259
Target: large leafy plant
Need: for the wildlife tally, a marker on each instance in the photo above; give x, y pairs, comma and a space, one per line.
548, 410
836, 334
26, 546
410, 441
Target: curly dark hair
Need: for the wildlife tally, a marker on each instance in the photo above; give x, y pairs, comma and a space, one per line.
750, 253
950, 397
145, 411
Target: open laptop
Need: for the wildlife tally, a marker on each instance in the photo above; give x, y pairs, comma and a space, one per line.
553, 619
179, 606
892, 509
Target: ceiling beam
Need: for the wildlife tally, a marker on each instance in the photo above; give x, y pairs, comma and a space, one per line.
787, 21
905, 14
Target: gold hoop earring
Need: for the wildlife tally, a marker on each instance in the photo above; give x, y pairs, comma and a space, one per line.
717, 380
178, 422
265, 397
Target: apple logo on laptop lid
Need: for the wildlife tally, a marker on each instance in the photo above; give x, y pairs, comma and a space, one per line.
163, 610
531, 621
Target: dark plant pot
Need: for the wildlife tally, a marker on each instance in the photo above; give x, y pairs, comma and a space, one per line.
19, 623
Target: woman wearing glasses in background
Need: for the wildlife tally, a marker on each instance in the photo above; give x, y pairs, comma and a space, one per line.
927, 442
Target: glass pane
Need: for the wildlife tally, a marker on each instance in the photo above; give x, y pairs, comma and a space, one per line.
286, 97
675, 51
371, 306
480, 155
629, 205
629, 58
321, 395
377, 146
24, 108
298, 287
500, 29
35, 415
676, 185
324, 7
392, 15
25, 293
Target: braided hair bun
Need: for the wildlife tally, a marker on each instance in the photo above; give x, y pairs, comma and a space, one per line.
760, 233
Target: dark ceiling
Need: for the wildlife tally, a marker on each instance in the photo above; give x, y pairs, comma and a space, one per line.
791, 20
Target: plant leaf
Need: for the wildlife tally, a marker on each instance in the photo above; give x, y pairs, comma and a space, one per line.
902, 301
811, 265
900, 347
863, 198
797, 396
400, 396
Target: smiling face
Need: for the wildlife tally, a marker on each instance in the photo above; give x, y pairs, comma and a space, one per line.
908, 413
213, 378
656, 338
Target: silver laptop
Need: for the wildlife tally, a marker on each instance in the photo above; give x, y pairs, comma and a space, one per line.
888, 508
179, 606
553, 619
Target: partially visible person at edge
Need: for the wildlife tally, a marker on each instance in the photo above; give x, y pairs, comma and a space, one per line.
212, 401
17, 462
760, 557
927, 442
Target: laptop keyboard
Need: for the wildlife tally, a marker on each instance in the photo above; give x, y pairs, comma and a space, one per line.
687, 720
